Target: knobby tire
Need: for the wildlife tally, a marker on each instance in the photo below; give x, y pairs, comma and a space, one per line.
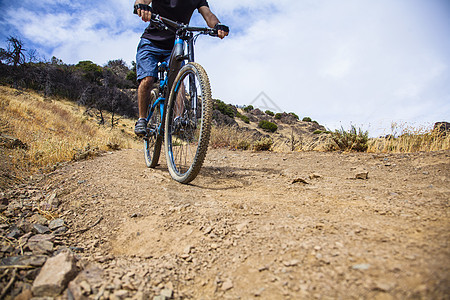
186, 144
153, 140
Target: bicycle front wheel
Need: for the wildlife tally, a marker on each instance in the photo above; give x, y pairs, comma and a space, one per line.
188, 123
153, 140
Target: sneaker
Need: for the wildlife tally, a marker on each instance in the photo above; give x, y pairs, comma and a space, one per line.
140, 128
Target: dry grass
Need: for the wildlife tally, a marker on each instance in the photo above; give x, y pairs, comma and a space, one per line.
231, 137
406, 138
54, 131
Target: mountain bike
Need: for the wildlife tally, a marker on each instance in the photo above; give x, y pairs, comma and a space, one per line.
180, 109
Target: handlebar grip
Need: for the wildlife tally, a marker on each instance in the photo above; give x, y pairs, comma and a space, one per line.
222, 27
213, 32
142, 7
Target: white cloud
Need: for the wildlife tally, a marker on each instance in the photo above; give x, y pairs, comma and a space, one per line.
339, 62
79, 31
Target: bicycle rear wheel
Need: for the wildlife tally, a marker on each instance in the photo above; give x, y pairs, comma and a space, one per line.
188, 123
153, 140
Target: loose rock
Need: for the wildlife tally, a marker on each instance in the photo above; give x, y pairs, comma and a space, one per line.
55, 275
55, 224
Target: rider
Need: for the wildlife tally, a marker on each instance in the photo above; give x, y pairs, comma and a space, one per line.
156, 45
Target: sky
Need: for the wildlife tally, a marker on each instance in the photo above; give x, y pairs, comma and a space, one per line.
341, 62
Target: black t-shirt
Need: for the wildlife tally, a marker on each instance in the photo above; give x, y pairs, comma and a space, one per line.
176, 10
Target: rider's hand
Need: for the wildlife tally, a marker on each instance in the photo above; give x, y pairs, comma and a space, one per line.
222, 33
145, 15
222, 30
144, 11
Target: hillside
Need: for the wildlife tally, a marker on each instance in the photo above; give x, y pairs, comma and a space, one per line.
39, 133
291, 134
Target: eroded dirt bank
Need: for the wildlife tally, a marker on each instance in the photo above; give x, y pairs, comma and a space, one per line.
267, 225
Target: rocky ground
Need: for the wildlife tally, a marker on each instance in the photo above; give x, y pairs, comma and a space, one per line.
252, 225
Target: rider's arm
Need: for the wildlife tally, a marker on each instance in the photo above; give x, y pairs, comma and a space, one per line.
144, 14
211, 20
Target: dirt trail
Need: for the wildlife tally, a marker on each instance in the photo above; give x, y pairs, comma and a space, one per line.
267, 225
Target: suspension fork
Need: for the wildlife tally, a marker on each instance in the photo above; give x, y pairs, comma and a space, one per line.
192, 86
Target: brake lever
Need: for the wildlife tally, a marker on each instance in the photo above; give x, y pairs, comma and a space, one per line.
158, 22
213, 32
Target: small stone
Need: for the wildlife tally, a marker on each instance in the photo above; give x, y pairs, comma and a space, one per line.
86, 282
291, 263
41, 229
362, 174
41, 237
38, 219
54, 276
52, 199
42, 247
227, 285
60, 230
187, 250
208, 230
299, 180
259, 292
263, 268
361, 267
383, 286
121, 294
85, 287
14, 233
55, 224
315, 176
27, 260
77, 249
25, 295
167, 293
241, 226
339, 244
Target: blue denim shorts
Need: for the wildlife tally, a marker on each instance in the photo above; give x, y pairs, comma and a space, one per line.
147, 58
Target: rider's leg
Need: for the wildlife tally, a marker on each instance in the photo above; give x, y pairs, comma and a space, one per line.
147, 58
144, 90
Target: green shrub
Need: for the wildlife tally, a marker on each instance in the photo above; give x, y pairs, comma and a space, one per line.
278, 116
307, 119
248, 108
263, 144
295, 115
353, 140
270, 113
132, 76
243, 145
224, 108
91, 71
317, 132
268, 126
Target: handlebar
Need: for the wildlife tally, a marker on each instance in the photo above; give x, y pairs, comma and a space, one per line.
179, 28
